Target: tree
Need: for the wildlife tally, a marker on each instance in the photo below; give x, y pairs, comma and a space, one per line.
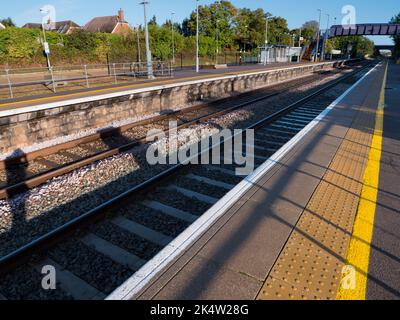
396, 39
153, 21
361, 46
250, 28
311, 25
217, 17
7, 22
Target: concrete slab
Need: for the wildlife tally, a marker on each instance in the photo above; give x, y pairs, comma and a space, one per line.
239, 286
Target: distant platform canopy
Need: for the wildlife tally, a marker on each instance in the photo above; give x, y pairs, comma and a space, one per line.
368, 29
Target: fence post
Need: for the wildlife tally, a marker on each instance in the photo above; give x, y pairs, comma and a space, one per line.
86, 76
9, 84
52, 79
115, 73
133, 70
181, 60
171, 72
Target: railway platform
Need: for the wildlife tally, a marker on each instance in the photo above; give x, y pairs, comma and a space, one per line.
180, 76
318, 220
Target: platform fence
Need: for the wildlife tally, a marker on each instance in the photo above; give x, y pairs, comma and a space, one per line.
14, 82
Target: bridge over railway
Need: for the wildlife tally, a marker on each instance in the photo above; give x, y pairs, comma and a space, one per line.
367, 29
379, 48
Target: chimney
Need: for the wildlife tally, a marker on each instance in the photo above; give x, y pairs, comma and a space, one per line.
121, 15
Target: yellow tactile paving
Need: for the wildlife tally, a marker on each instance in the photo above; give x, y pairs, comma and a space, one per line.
358, 254
311, 263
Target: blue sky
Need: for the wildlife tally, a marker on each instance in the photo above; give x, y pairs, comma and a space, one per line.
295, 11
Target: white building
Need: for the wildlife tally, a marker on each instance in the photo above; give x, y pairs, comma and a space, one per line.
279, 53
2, 27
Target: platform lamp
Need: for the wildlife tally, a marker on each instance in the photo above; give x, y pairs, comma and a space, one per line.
150, 72
197, 38
318, 34
46, 46
173, 37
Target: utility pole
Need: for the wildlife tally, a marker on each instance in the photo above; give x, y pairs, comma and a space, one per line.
318, 37
148, 52
173, 38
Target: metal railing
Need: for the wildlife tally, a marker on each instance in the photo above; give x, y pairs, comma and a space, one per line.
75, 77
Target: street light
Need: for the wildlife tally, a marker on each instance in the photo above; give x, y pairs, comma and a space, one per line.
217, 42
173, 39
266, 28
266, 36
325, 38
218, 3
46, 47
148, 52
319, 26
138, 44
197, 37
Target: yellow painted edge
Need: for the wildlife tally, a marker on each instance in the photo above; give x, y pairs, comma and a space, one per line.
357, 260
133, 86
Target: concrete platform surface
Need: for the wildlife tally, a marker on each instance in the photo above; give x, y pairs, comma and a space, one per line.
292, 235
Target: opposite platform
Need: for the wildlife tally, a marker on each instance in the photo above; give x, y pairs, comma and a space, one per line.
181, 78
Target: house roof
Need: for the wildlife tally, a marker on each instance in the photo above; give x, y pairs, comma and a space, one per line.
60, 26
103, 24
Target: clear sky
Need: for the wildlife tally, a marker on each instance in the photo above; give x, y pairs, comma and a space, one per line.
295, 11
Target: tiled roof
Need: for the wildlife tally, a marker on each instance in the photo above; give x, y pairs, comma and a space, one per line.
103, 24
60, 26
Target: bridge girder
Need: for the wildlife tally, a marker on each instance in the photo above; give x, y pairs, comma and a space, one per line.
367, 29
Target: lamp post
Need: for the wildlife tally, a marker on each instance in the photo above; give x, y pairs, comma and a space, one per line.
325, 38
46, 47
318, 38
148, 52
217, 42
266, 40
267, 17
173, 38
197, 37
138, 44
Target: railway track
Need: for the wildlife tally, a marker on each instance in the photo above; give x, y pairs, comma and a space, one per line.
26, 171
98, 251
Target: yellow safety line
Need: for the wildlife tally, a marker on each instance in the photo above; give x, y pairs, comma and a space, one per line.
134, 86
360, 244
